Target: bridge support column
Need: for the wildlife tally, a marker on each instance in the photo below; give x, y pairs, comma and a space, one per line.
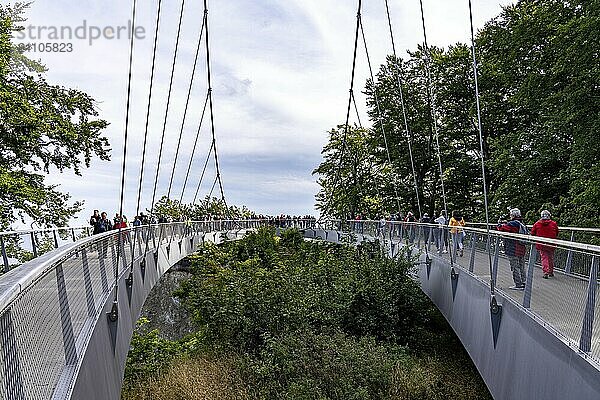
585, 343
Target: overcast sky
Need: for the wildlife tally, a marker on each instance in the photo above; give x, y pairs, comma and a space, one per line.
280, 77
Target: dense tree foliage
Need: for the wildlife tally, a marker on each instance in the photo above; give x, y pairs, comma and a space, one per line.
298, 320
44, 129
540, 97
210, 206
348, 176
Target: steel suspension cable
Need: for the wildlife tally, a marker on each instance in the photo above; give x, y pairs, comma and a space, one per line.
203, 171
187, 174
371, 160
213, 187
356, 109
210, 103
350, 97
485, 196
162, 139
433, 108
212, 115
407, 132
187, 102
139, 194
432, 99
379, 114
124, 163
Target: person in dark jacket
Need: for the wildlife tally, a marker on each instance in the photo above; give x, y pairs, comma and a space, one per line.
515, 249
426, 219
410, 217
94, 221
101, 223
546, 227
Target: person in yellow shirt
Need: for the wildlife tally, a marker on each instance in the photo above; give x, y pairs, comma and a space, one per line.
458, 234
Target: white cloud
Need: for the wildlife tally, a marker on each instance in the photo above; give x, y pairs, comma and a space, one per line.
281, 73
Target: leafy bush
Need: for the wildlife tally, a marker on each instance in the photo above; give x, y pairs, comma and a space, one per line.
305, 365
149, 354
312, 320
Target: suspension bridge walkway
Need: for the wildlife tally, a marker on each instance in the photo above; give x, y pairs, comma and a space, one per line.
540, 342
67, 316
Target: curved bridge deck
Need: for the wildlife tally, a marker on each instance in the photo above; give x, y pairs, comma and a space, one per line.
66, 318
537, 343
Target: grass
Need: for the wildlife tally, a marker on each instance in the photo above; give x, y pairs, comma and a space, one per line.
195, 378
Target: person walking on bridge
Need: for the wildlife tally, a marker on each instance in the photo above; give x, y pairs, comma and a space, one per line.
441, 236
546, 227
456, 222
426, 219
94, 221
515, 249
410, 217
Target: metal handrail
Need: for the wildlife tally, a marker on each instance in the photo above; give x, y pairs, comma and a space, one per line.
43, 230
49, 304
30, 236
578, 263
566, 244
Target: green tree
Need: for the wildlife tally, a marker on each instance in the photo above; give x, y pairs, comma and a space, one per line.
452, 90
540, 101
210, 206
43, 128
350, 182
530, 146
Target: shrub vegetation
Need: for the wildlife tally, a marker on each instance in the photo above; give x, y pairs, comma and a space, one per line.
284, 318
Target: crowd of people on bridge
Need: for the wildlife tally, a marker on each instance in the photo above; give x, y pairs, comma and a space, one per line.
101, 223
515, 249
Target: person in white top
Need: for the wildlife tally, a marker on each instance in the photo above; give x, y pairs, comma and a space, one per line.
441, 236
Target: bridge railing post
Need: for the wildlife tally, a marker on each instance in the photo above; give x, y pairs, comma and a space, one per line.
89, 293
4, 255
530, 275
33, 244
585, 342
495, 263
569, 261
473, 248
65, 318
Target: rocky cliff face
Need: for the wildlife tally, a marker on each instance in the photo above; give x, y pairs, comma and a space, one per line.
163, 310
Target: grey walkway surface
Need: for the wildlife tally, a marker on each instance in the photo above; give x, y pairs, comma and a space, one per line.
559, 302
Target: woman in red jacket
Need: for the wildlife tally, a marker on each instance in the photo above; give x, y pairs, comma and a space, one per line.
548, 228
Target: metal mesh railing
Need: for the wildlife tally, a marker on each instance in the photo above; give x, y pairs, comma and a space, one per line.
565, 303
18, 247
48, 306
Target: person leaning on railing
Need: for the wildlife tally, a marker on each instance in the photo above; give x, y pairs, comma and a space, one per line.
546, 227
